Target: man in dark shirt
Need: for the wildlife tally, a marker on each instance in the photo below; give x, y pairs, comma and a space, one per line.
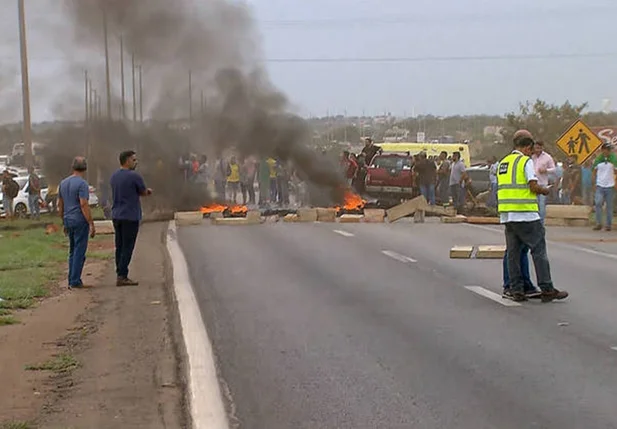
370, 150
127, 186
426, 177
74, 209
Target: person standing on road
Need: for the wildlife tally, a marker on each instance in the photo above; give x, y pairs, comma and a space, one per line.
517, 204
458, 179
492, 177
426, 176
74, 210
443, 174
233, 179
545, 166
604, 175
127, 186
587, 183
34, 194
10, 189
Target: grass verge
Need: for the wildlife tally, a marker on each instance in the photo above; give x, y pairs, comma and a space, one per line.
63, 362
17, 425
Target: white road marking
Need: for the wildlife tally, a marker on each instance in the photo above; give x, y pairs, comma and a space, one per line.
343, 233
556, 243
398, 256
205, 399
614, 348
492, 296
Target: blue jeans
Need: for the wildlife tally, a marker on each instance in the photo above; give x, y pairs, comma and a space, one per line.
429, 193
528, 284
458, 194
34, 206
126, 237
7, 203
542, 206
78, 233
604, 195
492, 196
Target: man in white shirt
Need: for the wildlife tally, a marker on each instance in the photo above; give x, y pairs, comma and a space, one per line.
604, 179
544, 166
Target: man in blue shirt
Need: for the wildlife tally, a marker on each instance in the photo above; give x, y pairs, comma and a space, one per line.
73, 196
127, 186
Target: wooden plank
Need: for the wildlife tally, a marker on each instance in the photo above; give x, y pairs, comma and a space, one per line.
326, 214
307, 215
455, 219
479, 220
441, 210
554, 211
374, 215
491, 252
461, 252
406, 209
350, 218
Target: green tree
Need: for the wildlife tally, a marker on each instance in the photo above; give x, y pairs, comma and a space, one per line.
547, 122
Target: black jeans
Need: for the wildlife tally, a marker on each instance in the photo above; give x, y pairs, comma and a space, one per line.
126, 236
532, 235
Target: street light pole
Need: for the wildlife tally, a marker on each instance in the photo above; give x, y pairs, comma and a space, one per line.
107, 77
123, 105
25, 86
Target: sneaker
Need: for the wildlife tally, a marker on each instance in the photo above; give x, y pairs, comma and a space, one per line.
597, 228
533, 294
516, 297
608, 228
126, 282
554, 294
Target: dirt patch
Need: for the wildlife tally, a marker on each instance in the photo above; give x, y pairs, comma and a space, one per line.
103, 357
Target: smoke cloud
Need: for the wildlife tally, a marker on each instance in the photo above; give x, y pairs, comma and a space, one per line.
218, 43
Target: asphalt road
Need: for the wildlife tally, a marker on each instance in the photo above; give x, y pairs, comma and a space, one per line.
372, 326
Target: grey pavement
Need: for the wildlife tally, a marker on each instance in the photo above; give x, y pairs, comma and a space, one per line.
372, 326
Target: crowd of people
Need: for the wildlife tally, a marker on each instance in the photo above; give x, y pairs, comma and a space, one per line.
234, 180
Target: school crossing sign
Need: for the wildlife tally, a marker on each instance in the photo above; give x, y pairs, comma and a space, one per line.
579, 142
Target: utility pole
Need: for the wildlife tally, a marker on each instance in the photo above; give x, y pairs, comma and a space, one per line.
25, 86
190, 98
123, 102
107, 78
134, 88
141, 98
87, 100
203, 105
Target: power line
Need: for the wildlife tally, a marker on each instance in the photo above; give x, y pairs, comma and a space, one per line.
442, 59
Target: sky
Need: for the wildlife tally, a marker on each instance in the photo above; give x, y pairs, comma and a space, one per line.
444, 57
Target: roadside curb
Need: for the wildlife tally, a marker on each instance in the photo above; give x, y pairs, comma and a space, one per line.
205, 401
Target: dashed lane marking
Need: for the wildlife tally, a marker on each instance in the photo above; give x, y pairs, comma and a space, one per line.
614, 348
492, 296
343, 233
401, 258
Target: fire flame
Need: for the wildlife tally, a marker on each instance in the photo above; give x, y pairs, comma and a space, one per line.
352, 201
215, 207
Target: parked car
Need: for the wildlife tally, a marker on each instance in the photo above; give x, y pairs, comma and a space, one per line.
480, 178
390, 175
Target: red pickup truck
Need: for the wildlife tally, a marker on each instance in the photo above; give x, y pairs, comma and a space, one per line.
390, 175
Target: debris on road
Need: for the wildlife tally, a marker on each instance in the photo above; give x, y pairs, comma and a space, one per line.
481, 220
350, 218
374, 215
554, 211
454, 219
326, 214
188, 218
461, 252
407, 208
491, 252
307, 215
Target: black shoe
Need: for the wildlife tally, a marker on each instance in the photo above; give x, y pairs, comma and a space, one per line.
533, 294
554, 294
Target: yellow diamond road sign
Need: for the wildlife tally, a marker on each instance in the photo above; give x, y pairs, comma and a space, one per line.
579, 142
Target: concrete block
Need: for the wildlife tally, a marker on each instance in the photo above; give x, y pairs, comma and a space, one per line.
290, 218
455, 219
104, 227
326, 214
407, 208
478, 220
441, 210
307, 215
491, 252
461, 252
554, 222
374, 215
232, 221
554, 211
350, 218
419, 216
188, 218
253, 216
578, 222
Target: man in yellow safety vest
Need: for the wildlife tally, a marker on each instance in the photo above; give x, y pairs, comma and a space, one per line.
517, 202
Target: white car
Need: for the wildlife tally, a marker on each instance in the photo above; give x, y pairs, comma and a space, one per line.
20, 203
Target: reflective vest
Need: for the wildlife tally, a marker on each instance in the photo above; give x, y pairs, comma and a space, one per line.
513, 192
234, 175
